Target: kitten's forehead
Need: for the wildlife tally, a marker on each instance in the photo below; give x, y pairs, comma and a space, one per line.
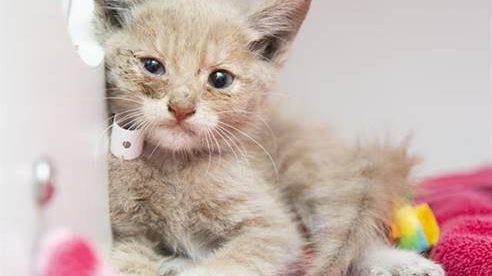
210, 29
191, 19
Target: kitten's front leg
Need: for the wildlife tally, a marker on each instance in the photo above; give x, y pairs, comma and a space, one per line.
343, 195
134, 257
137, 256
267, 244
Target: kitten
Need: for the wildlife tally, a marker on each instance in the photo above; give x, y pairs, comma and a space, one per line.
226, 178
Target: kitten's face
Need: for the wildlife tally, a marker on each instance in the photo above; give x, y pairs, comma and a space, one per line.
185, 72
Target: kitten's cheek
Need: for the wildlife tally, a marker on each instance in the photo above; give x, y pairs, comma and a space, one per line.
204, 121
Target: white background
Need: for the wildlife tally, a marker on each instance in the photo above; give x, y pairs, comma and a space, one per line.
51, 106
394, 66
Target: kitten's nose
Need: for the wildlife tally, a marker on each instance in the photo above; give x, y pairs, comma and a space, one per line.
181, 110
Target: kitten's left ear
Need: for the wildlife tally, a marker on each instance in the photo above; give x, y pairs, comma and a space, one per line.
277, 24
112, 15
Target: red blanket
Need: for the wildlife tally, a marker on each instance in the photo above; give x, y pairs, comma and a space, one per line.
462, 204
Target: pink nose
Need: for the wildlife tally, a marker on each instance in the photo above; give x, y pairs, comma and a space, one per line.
181, 111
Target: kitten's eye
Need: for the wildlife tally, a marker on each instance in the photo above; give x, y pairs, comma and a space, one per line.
153, 66
221, 79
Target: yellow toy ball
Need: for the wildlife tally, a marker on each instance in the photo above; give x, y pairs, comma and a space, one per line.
415, 228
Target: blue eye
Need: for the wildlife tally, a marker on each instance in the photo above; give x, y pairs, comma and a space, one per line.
220, 79
153, 66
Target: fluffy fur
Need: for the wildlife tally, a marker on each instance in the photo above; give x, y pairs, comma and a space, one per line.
223, 191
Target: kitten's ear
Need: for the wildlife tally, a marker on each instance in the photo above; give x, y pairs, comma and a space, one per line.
277, 23
113, 14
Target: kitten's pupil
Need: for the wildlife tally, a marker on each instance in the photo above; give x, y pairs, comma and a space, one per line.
153, 66
221, 79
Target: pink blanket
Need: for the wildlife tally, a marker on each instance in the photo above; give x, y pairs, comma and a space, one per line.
462, 204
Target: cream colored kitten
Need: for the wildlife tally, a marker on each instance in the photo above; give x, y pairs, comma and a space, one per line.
226, 178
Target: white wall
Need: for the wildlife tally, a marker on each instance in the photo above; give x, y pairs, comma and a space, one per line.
51, 106
418, 66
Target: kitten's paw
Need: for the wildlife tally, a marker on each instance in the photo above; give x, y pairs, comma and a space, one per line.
375, 271
223, 271
393, 262
196, 272
172, 266
422, 268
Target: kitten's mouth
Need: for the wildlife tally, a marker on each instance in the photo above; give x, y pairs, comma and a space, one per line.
178, 128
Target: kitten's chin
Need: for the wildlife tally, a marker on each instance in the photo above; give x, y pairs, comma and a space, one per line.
174, 139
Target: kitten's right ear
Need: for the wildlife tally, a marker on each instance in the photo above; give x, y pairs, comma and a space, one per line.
277, 23
113, 14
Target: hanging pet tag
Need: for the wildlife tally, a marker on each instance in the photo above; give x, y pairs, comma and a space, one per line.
126, 143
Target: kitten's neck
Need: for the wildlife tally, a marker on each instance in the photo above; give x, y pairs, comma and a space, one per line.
167, 158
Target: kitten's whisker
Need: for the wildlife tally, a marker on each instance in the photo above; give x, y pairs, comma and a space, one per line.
157, 145
127, 116
218, 145
112, 116
242, 151
264, 122
239, 146
209, 153
130, 124
131, 121
272, 160
141, 125
231, 145
225, 139
123, 120
105, 132
145, 127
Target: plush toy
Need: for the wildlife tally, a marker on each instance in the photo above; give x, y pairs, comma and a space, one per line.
63, 253
415, 228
